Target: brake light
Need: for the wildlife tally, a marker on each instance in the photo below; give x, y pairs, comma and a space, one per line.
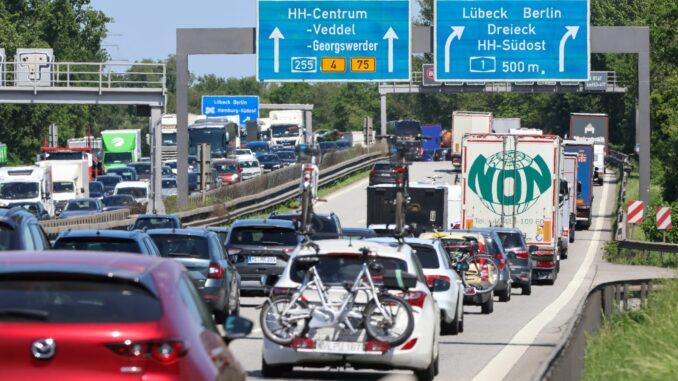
400, 169
409, 345
233, 251
376, 346
580, 202
500, 257
546, 264
456, 226
300, 343
522, 254
415, 298
470, 291
288, 251
430, 279
481, 247
165, 351
215, 271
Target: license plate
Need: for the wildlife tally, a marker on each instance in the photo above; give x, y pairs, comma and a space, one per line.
384, 175
339, 347
263, 260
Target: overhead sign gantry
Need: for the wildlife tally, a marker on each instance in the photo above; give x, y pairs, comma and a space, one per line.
513, 40
333, 40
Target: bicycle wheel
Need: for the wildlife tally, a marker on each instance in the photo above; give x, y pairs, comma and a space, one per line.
482, 274
278, 328
394, 328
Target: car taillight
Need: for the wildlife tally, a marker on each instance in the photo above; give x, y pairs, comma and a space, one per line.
546, 264
470, 291
500, 257
415, 298
481, 247
430, 279
165, 351
376, 346
233, 251
288, 251
456, 226
300, 343
522, 254
215, 271
409, 345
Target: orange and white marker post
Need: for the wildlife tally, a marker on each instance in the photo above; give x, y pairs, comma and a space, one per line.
664, 219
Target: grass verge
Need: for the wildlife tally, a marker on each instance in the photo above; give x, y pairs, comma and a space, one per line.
615, 254
638, 345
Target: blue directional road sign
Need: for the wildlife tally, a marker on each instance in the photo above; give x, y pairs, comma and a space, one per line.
512, 40
246, 107
333, 40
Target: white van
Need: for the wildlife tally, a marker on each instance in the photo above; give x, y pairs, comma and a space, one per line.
140, 190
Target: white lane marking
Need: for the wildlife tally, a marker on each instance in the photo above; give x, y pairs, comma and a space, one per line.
499, 367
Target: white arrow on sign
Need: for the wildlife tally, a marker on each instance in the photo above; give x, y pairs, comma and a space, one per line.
571, 32
457, 31
276, 36
390, 36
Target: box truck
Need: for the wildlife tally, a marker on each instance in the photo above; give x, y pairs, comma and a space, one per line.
70, 179
569, 173
26, 184
287, 127
121, 147
513, 181
467, 122
584, 186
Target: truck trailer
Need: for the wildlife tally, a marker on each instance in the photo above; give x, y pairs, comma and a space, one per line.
584, 187
121, 147
467, 122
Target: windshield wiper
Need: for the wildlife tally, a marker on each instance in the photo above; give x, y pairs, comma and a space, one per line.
24, 314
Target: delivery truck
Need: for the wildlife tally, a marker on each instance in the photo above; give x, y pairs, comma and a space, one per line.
514, 181
432, 134
121, 147
569, 173
467, 122
584, 187
70, 180
26, 184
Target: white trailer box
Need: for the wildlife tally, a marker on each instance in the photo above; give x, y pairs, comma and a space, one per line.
504, 125
467, 122
70, 179
513, 181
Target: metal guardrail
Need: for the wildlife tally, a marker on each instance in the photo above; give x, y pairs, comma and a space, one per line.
566, 362
101, 76
105, 220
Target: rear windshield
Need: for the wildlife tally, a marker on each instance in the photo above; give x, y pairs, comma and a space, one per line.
118, 245
6, 238
109, 180
511, 240
382, 167
173, 245
337, 269
76, 301
264, 236
286, 155
452, 245
155, 223
134, 192
427, 256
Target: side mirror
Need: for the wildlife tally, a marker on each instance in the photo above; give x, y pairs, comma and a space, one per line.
236, 327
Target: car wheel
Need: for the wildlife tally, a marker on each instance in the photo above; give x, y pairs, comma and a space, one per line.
274, 371
235, 310
505, 296
461, 321
427, 374
572, 235
488, 306
526, 289
554, 275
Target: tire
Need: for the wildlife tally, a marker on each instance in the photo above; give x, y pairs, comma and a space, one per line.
427, 374
505, 295
299, 328
487, 307
572, 234
563, 254
376, 329
526, 289
461, 321
274, 371
220, 316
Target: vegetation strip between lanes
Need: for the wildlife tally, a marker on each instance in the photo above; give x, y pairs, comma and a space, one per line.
500, 366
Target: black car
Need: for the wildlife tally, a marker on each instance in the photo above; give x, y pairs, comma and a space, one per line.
81, 207
287, 157
202, 253
383, 172
96, 189
109, 181
118, 201
260, 247
119, 241
156, 221
127, 173
20, 230
325, 226
270, 162
222, 233
33, 207
143, 169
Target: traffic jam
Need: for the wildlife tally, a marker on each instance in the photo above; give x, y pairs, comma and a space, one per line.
163, 301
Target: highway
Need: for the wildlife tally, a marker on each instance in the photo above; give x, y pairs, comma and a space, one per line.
511, 343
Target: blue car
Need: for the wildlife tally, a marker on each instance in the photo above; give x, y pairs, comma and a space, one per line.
259, 148
133, 242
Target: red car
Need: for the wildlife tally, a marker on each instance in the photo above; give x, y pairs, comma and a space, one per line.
105, 316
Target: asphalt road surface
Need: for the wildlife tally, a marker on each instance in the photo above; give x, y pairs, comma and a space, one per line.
511, 343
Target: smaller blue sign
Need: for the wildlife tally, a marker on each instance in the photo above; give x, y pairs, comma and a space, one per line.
246, 107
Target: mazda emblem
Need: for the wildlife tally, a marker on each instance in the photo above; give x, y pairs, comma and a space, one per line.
43, 349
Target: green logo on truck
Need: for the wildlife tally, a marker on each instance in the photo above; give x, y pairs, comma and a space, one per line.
509, 179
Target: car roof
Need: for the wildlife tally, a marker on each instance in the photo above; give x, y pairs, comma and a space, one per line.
132, 184
14, 216
414, 241
168, 216
107, 175
265, 222
134, 234
83, 199
222, 161
450, 234
505, 230
335, 246
383, 162
186, 232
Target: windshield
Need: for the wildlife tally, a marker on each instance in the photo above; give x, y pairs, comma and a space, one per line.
225, 168
511, 240
126, 174
68, 300
427, 255
243, 152
63, 187
117, 201
169, 183
263, 236
19, 190
215, 137
118, 245
407, 128
169, 138
81, 205
249, 164
109, 181
134, 192
258, 148
117, 157
336, 269
287, 155
268, 158
31, 207
154, 223
286, 130
171, 164
174, 245
65, 155
142, 168
383, 167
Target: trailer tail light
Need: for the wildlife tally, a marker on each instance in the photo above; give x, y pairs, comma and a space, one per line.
165, 351
580, 202
215, 271
522, 254
376, 346
301, 343
415, 298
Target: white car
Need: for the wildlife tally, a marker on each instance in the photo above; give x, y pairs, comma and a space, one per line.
340, 261
447, 287
243, 153
140, 190
250, 167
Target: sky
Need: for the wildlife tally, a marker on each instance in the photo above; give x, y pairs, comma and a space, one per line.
147, 29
